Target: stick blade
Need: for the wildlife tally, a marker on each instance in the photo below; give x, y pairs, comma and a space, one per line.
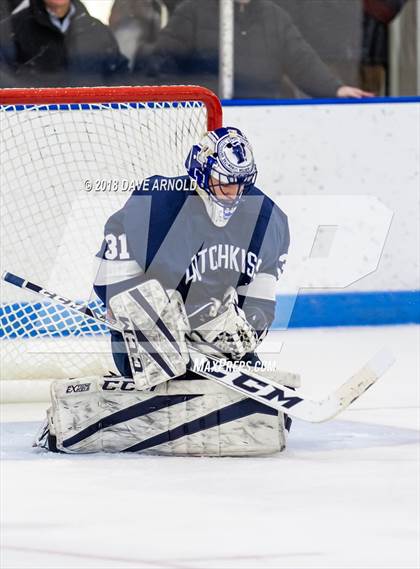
363, 379
381, 362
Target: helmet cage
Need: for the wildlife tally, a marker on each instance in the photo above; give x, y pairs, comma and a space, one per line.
204, 172
217, 180
212, 164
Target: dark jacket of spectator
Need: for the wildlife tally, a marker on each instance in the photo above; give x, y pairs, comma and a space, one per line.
334, 29
133, 23
7, 7
147, 14
171, 4
378, 14
267, 46
38, 54
136, 22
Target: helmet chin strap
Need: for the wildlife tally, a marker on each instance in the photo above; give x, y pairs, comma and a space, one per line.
217, 213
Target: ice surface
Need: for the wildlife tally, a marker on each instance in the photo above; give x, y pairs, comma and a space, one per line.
345, 494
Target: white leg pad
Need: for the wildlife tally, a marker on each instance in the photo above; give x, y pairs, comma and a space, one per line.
180, 417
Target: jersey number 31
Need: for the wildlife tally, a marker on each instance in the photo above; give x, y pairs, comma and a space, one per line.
116, 247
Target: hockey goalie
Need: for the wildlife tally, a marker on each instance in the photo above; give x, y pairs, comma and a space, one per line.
188, 267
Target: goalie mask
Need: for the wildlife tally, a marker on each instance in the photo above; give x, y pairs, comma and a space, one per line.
222, 165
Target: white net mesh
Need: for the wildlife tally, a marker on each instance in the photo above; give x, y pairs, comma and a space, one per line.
65, 168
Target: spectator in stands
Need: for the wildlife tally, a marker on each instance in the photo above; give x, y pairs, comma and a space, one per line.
134, 23
57, 43
267, 46
378, 14
334, 29
171, 5
7, 7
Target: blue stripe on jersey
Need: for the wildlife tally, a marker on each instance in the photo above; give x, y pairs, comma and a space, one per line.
259, 234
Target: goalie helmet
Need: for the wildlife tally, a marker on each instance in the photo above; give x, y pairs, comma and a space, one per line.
222, 164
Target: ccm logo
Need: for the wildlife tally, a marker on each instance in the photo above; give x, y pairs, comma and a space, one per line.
78, 388
131, 346
266, 391
263, 389
113, 384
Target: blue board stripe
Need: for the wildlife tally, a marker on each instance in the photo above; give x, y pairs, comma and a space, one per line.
310, 310
348, 309
315, 102
225, 103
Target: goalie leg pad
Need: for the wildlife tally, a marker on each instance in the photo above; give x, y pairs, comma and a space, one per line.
177, 418
154, 332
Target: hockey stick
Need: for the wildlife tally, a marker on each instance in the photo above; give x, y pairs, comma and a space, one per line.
250, 383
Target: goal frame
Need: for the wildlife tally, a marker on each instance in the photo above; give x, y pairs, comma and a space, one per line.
63, 99
92, 95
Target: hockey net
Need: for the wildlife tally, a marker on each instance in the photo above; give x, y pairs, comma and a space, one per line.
69, 159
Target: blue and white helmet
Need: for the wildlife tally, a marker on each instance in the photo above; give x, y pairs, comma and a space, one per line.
222, 158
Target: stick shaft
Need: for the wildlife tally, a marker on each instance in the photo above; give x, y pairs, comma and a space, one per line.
249, 383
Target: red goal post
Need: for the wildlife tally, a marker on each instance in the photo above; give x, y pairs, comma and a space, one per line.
167, 93
52, 141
